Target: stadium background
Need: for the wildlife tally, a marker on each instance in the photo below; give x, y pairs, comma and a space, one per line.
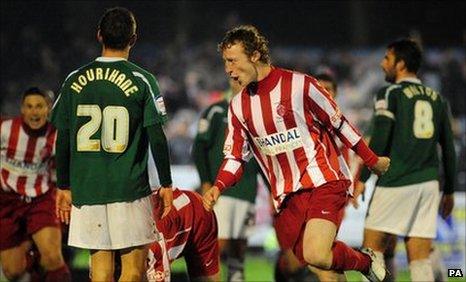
41, 42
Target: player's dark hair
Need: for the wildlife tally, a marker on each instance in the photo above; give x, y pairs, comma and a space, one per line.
117, 28
251, 39
34, 90
409, 51
327, 77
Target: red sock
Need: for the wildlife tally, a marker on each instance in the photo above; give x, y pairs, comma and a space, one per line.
58, 275
345, 258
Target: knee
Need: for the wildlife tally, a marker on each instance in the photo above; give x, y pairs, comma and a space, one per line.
318, 259
131, 276
52, 259
13, 271
103, 276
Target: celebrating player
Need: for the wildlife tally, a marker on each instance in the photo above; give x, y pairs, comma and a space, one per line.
410, 120
235, 207
107, 113
287, 121
27, 194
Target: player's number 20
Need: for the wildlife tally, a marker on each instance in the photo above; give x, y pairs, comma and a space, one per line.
114, 121
423, 125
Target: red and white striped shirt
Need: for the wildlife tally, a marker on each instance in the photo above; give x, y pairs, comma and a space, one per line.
26, 158
288, 126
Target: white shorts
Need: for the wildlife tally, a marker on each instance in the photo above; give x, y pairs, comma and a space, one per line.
112, 226
233, 217
408, 211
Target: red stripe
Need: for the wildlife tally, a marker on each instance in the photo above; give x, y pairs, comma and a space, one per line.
51, 134
5, 175
315, 131
21, 185
332, 152
238, 140
14, 137
38, 184
300, 153
269, 124
285, 100
247, 115
30, 149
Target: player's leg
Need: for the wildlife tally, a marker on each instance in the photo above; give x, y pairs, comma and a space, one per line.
422, 231
289, 268
133, 243
318, 243
440, 271
43, 224
233, 217
319, 248
12, 235
234, 253
328, 275
203, 256
48, 242
377, 241
133, 263
418, 251
13, 261
102, 265
389, 258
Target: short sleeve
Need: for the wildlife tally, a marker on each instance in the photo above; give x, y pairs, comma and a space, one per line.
385, 102
208, 123
60, 117
154, 105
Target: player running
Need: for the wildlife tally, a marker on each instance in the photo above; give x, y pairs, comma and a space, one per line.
27, 194
287, 121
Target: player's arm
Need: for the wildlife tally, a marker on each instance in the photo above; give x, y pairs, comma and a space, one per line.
154, 116
202, 142
60, 119
237, 152
382, 125
449, 161
160, 153
327, 112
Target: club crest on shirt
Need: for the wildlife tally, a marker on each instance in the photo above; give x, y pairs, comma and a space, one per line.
203, 126
159, 276
281, 110
160, 105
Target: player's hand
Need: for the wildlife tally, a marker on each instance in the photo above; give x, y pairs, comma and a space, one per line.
359, 188
205, 186
446, 205
63, 205
210, 197
382, 165
166, 200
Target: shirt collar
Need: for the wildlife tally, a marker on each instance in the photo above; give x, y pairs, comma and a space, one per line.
409, 79
109, 59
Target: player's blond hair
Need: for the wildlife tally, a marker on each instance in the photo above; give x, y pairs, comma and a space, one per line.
251, 39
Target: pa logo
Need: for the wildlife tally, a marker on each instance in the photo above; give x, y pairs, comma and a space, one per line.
455, 272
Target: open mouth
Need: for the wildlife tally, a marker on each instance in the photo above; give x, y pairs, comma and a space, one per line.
236, 78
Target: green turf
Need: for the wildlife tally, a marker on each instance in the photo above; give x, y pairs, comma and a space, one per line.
258, 268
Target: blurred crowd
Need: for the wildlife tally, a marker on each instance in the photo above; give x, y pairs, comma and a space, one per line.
191, 77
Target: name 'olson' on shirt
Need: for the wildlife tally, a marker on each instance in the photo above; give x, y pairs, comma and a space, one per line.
113, 75
279, 142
